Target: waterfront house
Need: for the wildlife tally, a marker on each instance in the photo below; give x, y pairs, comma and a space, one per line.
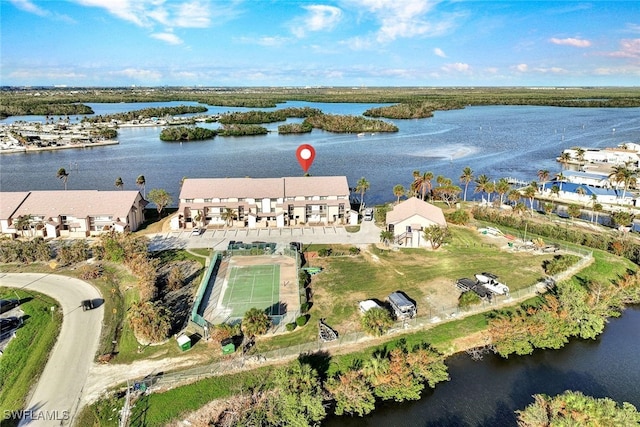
407, 220
573, 192
71, 213
590, 179
263, 202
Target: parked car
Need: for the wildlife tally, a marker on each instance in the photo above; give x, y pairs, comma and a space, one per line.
87, 304
196, 231
402, 307
8, 304
8, 324
368, 214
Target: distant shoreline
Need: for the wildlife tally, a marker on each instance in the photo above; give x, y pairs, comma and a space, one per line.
58, 147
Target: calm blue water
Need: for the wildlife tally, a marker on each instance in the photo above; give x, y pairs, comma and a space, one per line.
486, 393
496, 140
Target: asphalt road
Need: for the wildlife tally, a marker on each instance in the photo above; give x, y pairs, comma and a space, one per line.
56, 397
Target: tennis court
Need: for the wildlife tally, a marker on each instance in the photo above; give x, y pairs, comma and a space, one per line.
252, 286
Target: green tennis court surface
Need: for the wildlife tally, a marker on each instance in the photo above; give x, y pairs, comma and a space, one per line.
253, 286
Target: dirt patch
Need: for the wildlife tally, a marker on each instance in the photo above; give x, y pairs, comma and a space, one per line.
440, 293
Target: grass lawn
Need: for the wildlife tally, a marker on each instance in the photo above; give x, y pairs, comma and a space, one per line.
428, 277
26, 355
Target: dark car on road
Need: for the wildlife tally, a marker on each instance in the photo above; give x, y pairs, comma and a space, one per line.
8, 304
8, 324
87, 304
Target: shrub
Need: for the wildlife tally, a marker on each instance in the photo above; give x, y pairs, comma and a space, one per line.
459, 216
302, 320
305, 306
88, 272
467, 299
291, 326
353, 250
324, 252
559, 263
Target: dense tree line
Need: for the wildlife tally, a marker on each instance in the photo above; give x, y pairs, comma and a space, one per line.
292, 128
61, 101
572, 309
297, 395
259, 117
349, 124
412, 110
146, 113
104, 133
184, 133
242, 130
573, 408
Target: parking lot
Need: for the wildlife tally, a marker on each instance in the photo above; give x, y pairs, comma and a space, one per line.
219, 238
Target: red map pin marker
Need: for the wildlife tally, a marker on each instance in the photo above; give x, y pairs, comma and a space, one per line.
305, 154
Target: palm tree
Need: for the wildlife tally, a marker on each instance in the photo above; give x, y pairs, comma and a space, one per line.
119, 183
63, 175
386, 236
481, 184
514, 196
490, 188
502, 188
22, 222
466, 177
625, 175
597, 207
421, 183
565, 158
555, 190
530, 193
543, 176
255, 322
362, 186
228, 216
398, 191
580, 191
141, 182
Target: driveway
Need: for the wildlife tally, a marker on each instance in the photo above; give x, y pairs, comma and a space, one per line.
56, 397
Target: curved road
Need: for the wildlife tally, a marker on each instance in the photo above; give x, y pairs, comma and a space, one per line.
55, 399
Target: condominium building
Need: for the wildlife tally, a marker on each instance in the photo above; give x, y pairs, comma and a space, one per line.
263, 202
72, 213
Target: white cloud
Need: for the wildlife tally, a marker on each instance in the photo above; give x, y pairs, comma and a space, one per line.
318, 18
29, 6
523, 68
457, 67
629, 48
632, 28
147, 13
439, 52
194, 14
170, 38
404, 18
571, 41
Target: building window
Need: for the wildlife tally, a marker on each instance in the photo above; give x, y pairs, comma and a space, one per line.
188, 200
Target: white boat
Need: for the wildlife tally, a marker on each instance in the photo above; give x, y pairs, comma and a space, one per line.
490, 282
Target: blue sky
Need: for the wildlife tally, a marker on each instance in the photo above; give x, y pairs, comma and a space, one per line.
319, 43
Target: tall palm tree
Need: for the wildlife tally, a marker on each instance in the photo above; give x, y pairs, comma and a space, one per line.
530, 193
543, 176
490, 188
565, 158
625, 175
361, 187
398, 191
228, 215
421, 183
481, 184
466, 177
119, 183
63, 175
141, 182
502, 188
